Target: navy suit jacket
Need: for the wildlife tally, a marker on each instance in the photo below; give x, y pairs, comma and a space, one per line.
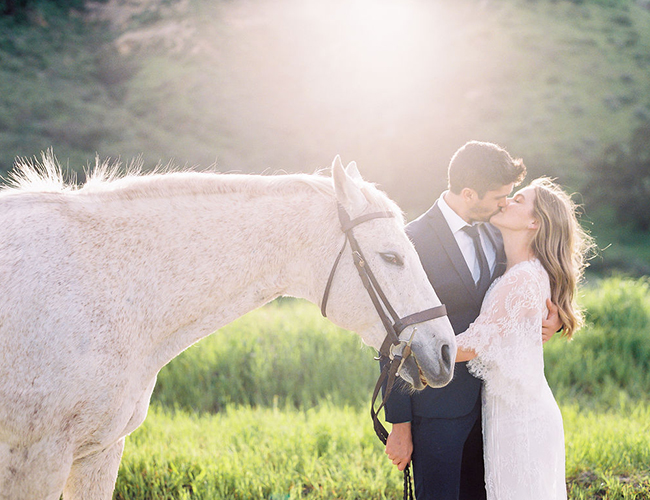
452, 280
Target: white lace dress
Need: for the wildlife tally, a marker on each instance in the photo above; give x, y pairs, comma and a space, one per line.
522, 425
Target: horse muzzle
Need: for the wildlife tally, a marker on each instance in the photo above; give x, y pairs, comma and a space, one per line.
422, 371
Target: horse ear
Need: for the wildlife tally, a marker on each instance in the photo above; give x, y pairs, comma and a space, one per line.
348, 192
353, 171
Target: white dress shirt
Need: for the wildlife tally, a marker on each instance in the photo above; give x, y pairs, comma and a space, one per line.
464, 240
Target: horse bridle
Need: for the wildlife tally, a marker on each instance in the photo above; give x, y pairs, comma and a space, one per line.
393, 352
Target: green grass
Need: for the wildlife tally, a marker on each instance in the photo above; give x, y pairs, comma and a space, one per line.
608, 361
331, 452
275, 406
283, 354
287, 354
608, 452
620, 247
325, 452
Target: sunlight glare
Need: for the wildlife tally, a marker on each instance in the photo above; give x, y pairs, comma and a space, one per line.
385, 47
370, 79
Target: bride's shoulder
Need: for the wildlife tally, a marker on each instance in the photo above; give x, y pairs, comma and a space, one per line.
532, 266
525, 271
524, 282
537, 268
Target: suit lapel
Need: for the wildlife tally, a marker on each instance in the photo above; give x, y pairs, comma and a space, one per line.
448, 243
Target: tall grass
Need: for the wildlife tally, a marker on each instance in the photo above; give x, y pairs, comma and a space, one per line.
283, 354
608, 361
275, 406
245, 453
608, 452
287, 354
331, 452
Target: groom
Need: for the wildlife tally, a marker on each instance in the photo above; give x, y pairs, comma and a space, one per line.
440, 429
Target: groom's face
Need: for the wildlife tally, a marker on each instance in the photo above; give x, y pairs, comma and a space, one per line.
491, 203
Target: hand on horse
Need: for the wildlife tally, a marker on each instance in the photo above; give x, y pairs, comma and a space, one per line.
399, 445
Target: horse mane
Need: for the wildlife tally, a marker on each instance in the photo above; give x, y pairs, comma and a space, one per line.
109, 181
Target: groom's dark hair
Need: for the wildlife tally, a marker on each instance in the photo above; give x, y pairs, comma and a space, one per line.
483, 167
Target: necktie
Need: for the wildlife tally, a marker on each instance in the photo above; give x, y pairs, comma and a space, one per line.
484, 277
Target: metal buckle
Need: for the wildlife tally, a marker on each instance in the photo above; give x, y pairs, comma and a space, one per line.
398, 350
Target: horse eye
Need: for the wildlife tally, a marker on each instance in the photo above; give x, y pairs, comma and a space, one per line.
392, 258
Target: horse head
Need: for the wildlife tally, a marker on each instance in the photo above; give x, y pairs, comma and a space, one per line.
378, 230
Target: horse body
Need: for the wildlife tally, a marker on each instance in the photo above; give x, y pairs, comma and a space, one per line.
103, 286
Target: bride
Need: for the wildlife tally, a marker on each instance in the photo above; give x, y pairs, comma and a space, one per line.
522, 425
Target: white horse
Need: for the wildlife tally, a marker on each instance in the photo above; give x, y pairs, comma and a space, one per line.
101, 286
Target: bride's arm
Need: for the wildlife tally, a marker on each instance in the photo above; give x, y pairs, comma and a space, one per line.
464, 355
513, 302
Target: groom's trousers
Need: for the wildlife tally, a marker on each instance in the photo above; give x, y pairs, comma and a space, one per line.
448, 457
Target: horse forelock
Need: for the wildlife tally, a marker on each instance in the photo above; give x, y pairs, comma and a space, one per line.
380, 200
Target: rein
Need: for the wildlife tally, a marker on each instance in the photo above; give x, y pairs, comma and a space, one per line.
393, 352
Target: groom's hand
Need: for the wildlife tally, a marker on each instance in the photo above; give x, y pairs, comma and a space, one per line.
399, 445
552, 323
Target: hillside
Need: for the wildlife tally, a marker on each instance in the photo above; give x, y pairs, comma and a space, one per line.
268, 85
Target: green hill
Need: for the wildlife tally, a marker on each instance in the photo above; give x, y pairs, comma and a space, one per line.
268, 85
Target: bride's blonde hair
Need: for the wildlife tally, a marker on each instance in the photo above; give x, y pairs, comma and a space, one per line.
562, 246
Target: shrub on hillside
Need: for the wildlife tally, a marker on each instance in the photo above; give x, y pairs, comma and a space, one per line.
610, 358
618, 303
621, 179
18, 8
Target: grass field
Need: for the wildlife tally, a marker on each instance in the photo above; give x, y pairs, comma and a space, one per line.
331, 452
275, 406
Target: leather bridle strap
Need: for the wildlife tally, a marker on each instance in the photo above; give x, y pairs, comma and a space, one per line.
388, 375
377, 296
346, 226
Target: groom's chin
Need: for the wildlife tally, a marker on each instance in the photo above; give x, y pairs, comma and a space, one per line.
490, 220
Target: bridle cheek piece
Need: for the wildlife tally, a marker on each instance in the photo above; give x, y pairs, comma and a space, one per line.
393, 352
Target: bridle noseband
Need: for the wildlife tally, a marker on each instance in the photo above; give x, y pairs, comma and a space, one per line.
393, 351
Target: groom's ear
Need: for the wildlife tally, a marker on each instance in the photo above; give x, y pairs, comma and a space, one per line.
469, 195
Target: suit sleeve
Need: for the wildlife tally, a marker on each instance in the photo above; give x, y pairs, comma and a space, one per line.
398, 407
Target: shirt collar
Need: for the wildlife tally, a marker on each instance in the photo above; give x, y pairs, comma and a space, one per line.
455, 221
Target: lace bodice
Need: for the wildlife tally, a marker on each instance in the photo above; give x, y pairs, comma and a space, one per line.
507, 334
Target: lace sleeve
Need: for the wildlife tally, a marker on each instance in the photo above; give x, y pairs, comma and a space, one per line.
507, 335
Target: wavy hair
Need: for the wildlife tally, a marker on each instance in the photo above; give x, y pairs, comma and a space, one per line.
562, 246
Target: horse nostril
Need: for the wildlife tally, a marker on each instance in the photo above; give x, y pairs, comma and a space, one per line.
446, 358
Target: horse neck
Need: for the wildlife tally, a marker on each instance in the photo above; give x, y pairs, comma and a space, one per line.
289, 243
255, 249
